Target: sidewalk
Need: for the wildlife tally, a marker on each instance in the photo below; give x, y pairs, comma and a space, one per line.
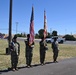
64, 67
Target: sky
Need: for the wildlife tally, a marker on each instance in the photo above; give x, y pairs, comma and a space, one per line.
61, 15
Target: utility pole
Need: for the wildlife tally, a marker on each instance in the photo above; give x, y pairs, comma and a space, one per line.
10, 27
65, 31
16, 26
50, 31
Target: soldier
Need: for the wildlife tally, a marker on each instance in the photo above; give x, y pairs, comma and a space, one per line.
55, 49
43, 48
28, 49
15, 51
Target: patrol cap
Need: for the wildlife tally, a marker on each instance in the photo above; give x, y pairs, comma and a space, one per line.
28, 35
15, 37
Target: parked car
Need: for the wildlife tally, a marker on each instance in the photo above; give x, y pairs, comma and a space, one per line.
6, 37
59, 39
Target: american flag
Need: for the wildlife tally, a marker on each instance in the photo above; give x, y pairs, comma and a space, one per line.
31, 39
45, 25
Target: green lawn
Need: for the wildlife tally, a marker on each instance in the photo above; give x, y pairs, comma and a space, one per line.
66, 51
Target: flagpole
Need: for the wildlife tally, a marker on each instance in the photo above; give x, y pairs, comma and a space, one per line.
10, 26
45, 26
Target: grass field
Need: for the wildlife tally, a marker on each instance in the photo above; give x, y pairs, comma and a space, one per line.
66, 51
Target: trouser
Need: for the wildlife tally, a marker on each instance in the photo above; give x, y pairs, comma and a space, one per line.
14, 61
42, 56
55, 55
29, 57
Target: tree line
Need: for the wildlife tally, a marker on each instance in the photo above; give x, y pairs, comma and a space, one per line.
49, 35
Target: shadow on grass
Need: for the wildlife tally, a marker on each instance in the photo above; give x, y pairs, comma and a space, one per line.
10, 69
4, 54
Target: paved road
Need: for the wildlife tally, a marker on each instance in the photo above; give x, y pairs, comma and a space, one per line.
37, 40
70, 42
64, 67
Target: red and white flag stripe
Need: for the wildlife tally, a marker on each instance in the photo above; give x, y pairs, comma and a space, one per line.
31, 39
45, 25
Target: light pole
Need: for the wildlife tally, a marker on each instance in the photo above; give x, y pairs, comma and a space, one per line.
10, 26
65, 31
16, 26
50, 31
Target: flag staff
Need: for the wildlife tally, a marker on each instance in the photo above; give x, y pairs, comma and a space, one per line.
45, 25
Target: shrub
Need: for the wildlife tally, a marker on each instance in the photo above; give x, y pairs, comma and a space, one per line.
69, 37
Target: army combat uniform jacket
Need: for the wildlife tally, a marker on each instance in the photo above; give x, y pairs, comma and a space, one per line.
28, 53
15, 51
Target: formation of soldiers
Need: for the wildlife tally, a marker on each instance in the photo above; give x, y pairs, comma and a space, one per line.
15, 51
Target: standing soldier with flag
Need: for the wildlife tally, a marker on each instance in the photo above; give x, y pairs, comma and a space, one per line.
43, 48
30, 41
43, 44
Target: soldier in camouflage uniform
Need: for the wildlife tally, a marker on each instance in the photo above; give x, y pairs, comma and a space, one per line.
28, 53
43, 46
15, 51
55, 49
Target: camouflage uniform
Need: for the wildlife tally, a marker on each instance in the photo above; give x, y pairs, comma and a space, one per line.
55, 50
43, 44
28, 52
15, 51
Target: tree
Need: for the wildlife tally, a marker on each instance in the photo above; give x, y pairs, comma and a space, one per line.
48, 35
54, 33
19, 35
40, 32
36, 36
69, 37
